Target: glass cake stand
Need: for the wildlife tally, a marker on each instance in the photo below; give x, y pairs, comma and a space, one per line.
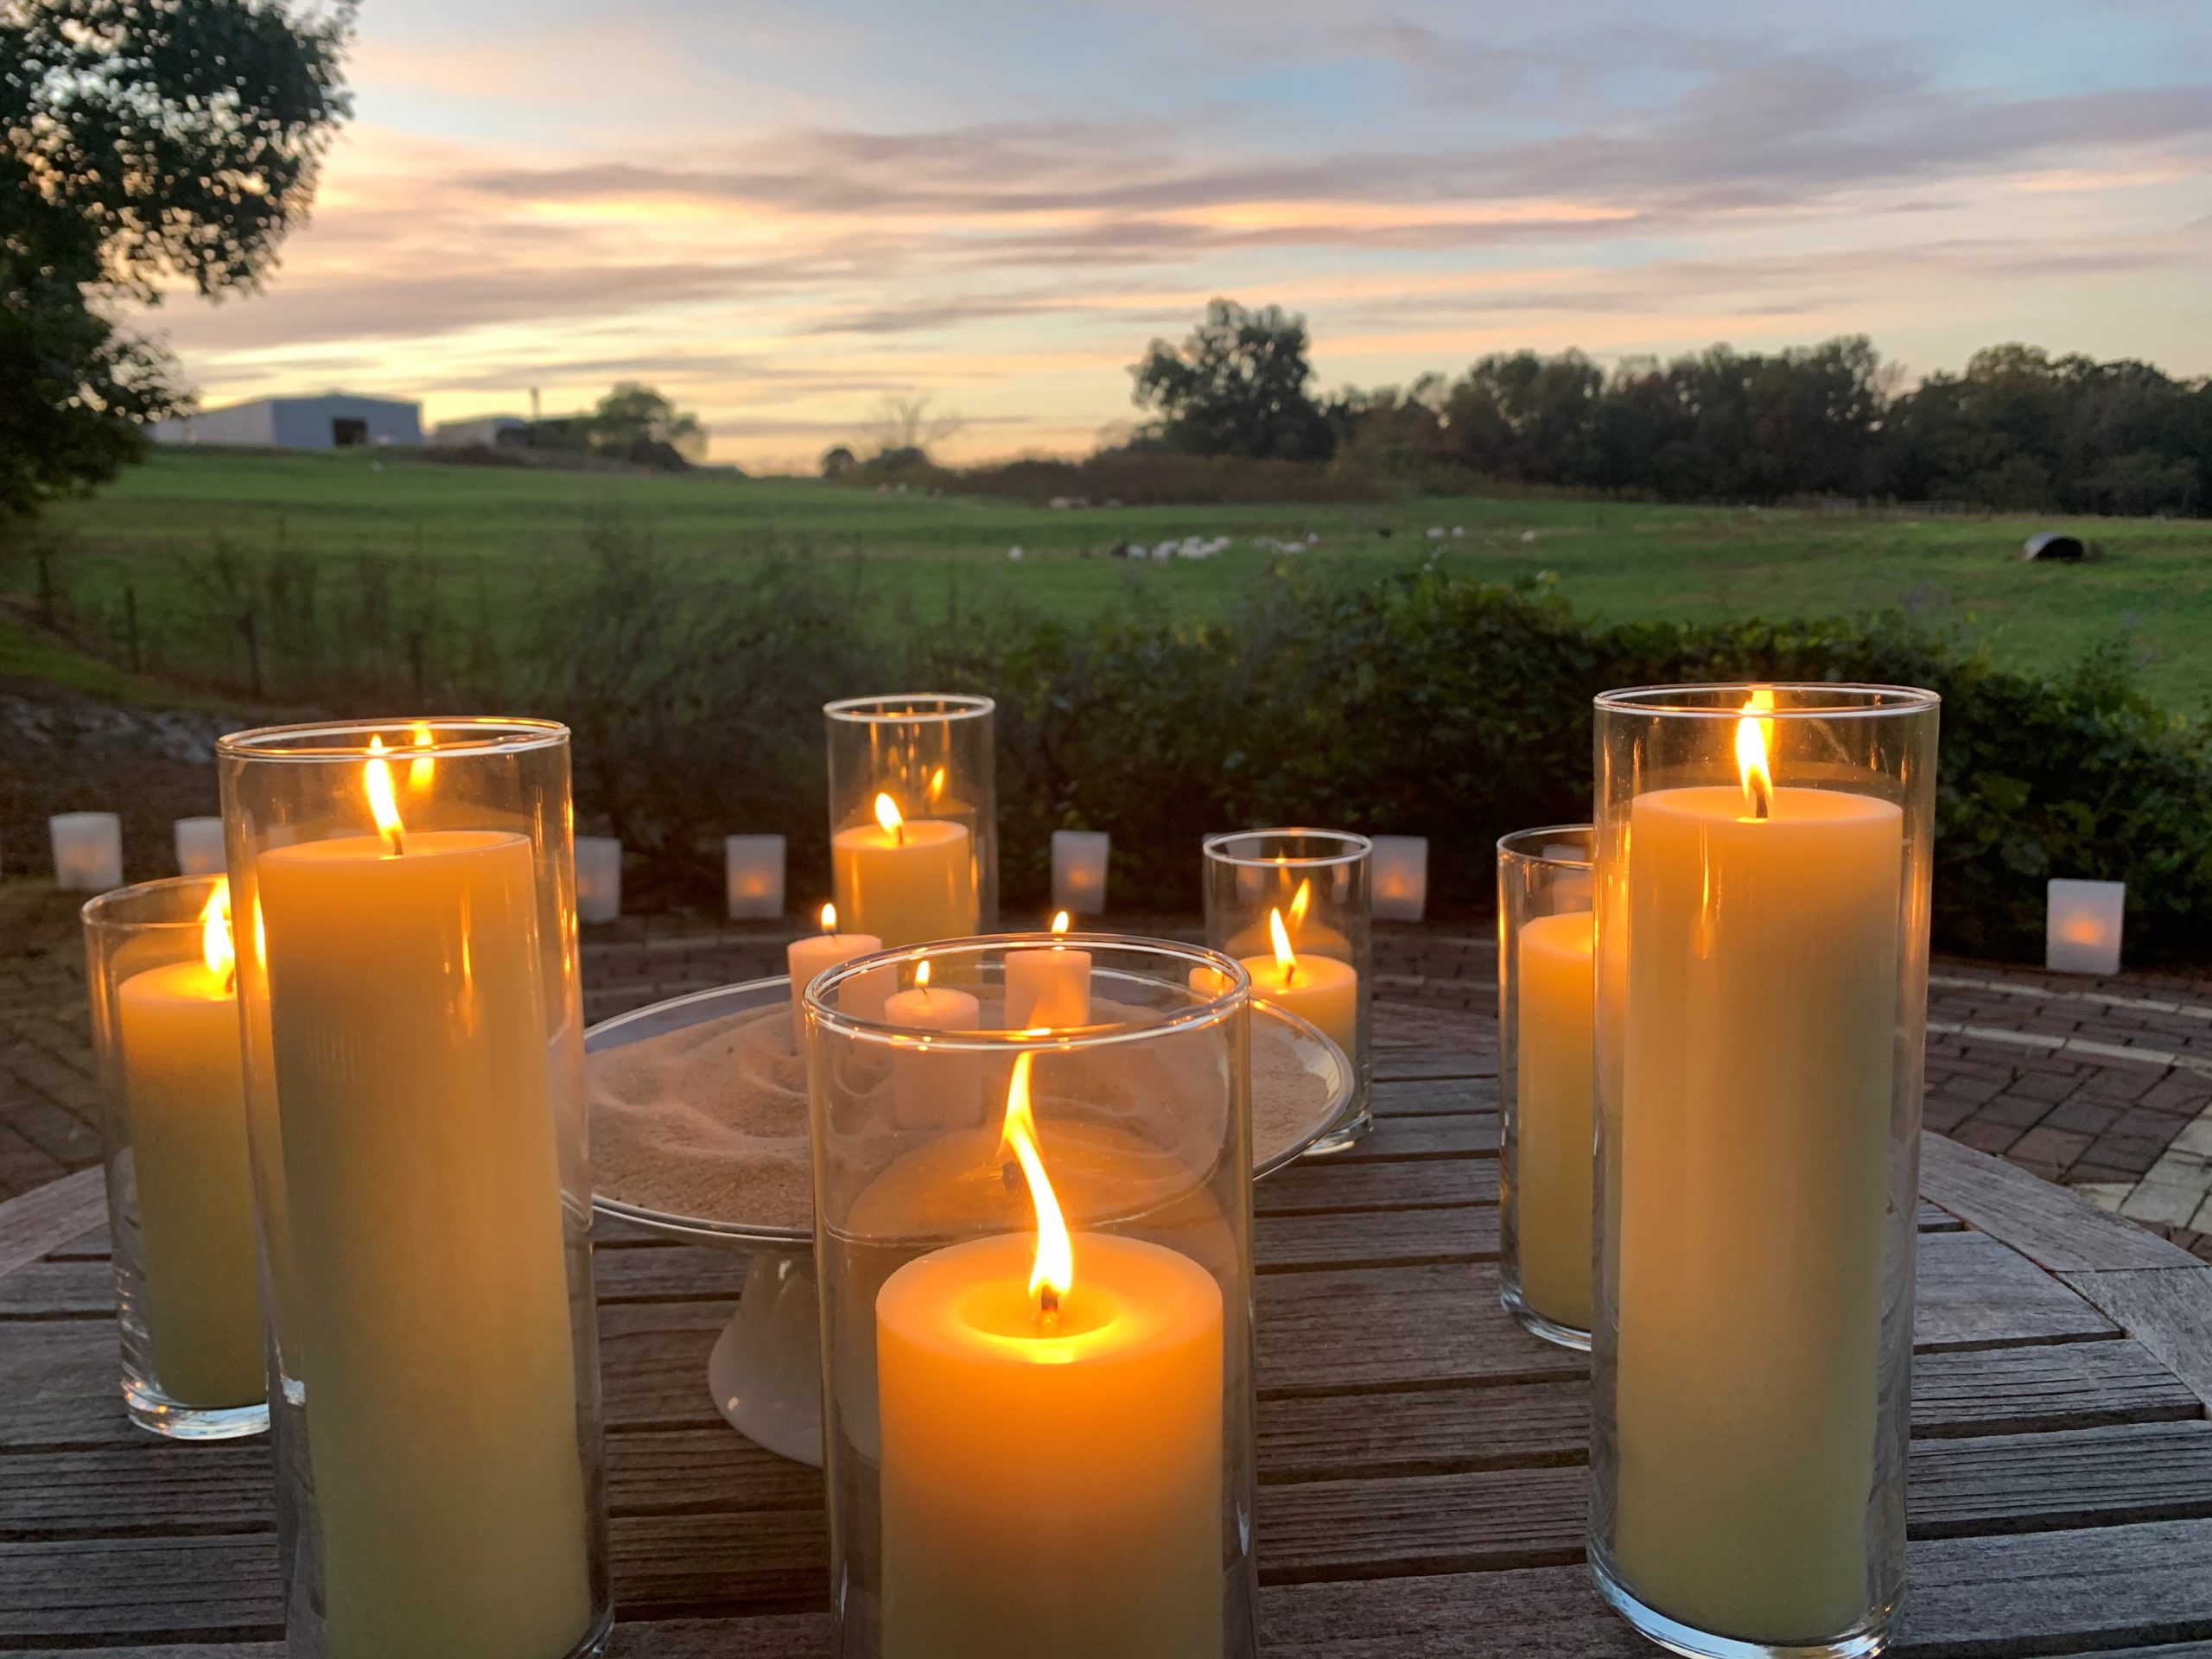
765, 1372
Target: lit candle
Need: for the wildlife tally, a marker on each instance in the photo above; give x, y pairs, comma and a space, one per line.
1553, 1115
184, 1098
1048, 987
411, 1051
808, 959
933, 1088
1318, 989
906, 883
1761, 1015
1051, 1441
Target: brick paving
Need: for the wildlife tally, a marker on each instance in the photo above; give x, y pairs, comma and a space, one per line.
2105, 1085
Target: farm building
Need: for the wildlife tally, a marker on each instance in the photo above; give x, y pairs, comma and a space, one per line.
335, 420
488, 431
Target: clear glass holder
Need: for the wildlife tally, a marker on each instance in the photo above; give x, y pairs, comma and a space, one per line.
1546, 985
161, 988
408, 971
1033, 1239
913, 816
1762, 946
1293, 908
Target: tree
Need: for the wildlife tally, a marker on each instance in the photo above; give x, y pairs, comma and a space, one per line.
1236, 386
635, 423
140, 141
905, 430
837, 460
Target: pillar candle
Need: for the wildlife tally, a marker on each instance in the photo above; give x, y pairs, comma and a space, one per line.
933, 1088
184, 1101
412, 1060
907, 883
1761, 1015
1318, 989
807, 958
1049, 987
1553, 1139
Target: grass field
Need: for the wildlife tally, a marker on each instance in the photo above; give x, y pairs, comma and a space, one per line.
490, 534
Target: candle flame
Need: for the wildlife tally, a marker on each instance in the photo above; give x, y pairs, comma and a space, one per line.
829, 919
1053, 1276
376, 775
1060, 921
422, 767
1286, 958
922, 975
887, 814
1300, 902
1753, 738
216, 949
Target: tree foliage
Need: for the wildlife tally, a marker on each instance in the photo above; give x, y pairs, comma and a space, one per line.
141, 141
1236, 386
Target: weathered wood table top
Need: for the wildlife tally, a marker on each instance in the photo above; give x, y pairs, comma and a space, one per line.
1422, 1459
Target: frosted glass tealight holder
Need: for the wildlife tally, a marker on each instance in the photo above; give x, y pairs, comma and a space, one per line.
2082, 935
199, 847
87, 851
1400, 877
599, 878
1079, 870
753, 870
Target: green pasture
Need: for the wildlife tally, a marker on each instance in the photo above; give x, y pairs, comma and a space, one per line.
485, 537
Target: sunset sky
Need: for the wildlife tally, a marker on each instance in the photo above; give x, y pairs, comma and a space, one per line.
779, 214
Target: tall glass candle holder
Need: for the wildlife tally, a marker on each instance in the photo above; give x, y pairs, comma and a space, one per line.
1546, 985
407, 965
1292, 906
162, 986
1761, 942
913, 816
1036, 1295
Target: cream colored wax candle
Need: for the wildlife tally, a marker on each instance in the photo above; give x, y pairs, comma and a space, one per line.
933, 1088
1048, 987
184, 1097
1762, 1006
1318, 989
1052, 1424
807, 958
906, 883
1552, 1126
407, 1021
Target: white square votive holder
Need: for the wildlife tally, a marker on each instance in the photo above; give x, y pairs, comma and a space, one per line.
599, 878
1079, 870
199, 847
2081, 931
753, 870
1400, 879
87, 851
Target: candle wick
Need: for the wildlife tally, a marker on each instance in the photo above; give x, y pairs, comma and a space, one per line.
397, 840
1048, 1308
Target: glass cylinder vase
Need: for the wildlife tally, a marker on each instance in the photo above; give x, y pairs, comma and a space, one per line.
1293, 907
913, 816
1545, 994
1036, 1295
161, 983
407, 967
1761, 942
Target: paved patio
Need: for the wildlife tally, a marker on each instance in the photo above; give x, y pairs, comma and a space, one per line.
2102, 1085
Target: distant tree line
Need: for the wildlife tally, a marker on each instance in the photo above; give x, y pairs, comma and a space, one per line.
2018, 429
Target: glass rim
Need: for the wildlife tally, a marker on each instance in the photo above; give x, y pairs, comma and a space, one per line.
1355, 847
1507, 849
94, 912
1235, 995
868, 711
1825, 700
325, 741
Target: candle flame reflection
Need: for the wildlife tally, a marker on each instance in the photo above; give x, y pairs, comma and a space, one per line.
216, 947
1060, 921
382, 807
422, 768
1053, 1276
1286, 958
1300, 902
1753, 739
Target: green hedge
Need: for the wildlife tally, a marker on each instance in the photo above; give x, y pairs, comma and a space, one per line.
1424, 705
